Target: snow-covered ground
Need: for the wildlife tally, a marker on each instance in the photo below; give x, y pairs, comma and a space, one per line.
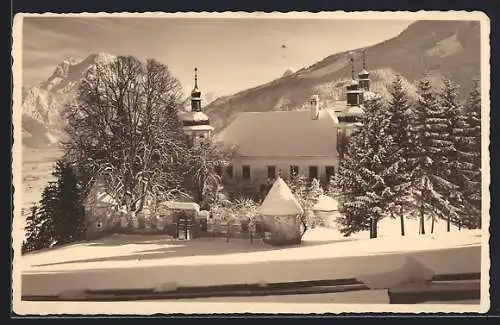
128, 261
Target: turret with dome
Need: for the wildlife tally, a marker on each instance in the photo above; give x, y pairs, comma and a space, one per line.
195, 123
364, 76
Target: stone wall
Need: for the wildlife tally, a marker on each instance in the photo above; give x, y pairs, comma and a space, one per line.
107, 220
240, 229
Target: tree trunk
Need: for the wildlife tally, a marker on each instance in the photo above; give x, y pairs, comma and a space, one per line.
459, 225
422, 220
448, 223
303, 222
402, 218
432, 225
373, 228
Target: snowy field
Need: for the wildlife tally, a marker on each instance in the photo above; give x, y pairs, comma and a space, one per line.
133, 261
35, 173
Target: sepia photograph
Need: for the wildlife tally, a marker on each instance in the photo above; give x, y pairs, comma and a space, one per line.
277, 163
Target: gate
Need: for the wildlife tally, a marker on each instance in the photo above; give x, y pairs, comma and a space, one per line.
184, 226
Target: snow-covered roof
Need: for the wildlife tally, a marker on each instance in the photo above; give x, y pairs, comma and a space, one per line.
363, 72
98, 198
351, 111
282, 134
280, 201
180, 205
194, 116
198, 127
204, 214
326, 203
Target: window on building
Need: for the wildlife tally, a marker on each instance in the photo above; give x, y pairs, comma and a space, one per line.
313, 172
229, 171
294, 170
271, 172
246, 172
330, 172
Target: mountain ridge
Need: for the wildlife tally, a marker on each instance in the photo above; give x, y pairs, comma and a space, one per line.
434, 49
431, 48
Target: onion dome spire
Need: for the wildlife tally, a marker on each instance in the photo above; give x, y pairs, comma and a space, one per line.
196, 94
364, 76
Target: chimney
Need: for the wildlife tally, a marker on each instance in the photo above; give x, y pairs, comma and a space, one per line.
314, 106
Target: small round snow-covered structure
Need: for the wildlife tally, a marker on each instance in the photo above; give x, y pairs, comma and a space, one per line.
281, 213
326, 209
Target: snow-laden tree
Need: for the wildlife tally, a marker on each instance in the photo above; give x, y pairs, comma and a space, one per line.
454, 113
314, 191
59, 217
202, 163
331, 188
307, 193
399, 113
123, 129
466, 170
367, 177
430, 148
298, 186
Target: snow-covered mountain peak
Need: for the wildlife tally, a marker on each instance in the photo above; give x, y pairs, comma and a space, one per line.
72, 70
102, 58
43, 104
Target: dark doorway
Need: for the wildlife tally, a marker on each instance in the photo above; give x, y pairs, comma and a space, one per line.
271, 172
246, 172
330, 172
313, 172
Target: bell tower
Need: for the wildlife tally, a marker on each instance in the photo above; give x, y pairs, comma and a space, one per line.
196, 94
353, 91
364, 76
195, 123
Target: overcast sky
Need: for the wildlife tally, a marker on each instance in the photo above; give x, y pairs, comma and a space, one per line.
231, 54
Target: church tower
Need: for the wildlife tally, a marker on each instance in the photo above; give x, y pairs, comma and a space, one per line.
195, 123
353, 91
364, 76
196, 94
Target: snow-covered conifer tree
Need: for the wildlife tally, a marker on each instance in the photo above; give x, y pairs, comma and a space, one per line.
430, 147
59, 217
454, 114
314, 191
367, 172
399, 114
468, 160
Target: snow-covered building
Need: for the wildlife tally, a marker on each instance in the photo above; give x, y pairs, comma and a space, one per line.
308, 142
100, 211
